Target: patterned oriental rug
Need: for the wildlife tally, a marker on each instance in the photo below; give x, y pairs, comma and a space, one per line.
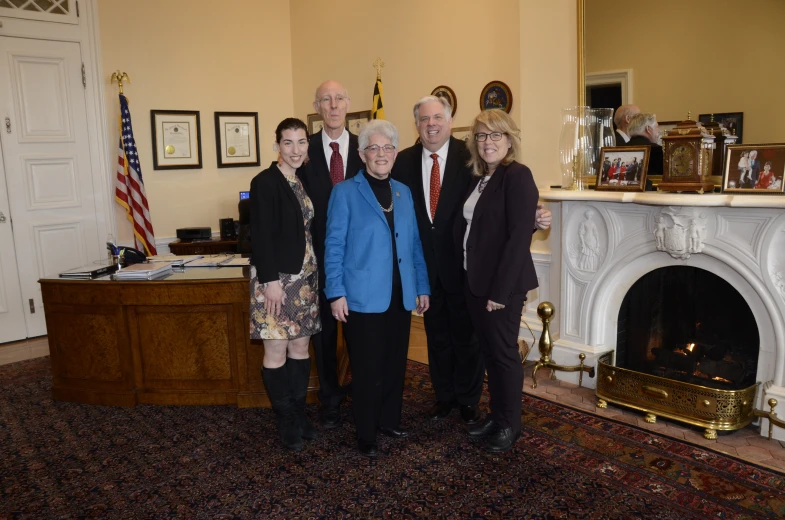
65, 460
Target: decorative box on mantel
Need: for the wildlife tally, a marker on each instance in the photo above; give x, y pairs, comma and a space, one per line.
602, 243
688, 152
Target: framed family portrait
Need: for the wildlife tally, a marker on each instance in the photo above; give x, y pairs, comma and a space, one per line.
623, 168
755, 168
733, 121
237, 139
177, 139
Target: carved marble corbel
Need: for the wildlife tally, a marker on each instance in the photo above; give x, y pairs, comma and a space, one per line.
680, 232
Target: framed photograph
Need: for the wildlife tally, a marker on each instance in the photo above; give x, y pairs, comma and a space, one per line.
447, 93
667, 126
496, 94
733, 121
461, 132
237, 139
177, 139
623, 168
355, 121
754, 168
315, 123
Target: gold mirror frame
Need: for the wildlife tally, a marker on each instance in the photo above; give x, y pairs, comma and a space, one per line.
581, 54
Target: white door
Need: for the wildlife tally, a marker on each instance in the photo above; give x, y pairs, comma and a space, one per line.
12, 315
47, 164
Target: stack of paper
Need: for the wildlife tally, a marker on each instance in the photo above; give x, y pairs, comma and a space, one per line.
144, 271
175, 260
211, 261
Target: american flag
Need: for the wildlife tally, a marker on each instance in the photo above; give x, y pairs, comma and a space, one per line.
129, 186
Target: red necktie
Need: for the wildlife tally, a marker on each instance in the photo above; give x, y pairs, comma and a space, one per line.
435, 184
336, 164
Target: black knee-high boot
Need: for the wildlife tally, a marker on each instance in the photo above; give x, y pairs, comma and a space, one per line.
276, 381
299, 371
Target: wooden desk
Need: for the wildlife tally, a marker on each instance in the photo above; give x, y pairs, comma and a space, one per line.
183, 340
203, 247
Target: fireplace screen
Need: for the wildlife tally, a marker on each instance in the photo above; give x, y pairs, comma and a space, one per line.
690, 325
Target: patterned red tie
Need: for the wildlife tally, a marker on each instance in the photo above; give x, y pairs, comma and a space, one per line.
336, 164
435, 184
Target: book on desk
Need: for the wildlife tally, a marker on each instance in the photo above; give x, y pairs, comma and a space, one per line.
219, 260
144, 271
89, 272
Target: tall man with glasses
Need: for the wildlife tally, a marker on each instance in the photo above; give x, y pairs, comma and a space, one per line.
333, 156
436, 172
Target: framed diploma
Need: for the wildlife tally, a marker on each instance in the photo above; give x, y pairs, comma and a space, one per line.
177, 139
237, 139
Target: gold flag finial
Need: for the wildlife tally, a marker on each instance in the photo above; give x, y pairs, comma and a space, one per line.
120, 77
379, 65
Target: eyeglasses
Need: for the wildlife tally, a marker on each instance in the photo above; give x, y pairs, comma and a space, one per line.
375, 148
495, 136
327, 100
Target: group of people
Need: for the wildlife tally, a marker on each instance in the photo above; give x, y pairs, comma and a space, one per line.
345, 228
617, 171
751, 176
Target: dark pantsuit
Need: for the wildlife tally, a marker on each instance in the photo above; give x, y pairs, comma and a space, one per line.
498, 335
454, 359
325, 345
378, 343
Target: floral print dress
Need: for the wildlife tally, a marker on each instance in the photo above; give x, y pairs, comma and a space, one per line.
299, 316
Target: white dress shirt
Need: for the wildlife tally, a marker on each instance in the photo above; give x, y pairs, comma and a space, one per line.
427, 164
343, 148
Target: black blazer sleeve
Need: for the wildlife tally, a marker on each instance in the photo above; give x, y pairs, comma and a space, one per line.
277, 228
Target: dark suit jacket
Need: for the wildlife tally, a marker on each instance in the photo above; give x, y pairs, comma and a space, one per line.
619, 139
277, 229
499, 263
655, 156
436, 237
315, 177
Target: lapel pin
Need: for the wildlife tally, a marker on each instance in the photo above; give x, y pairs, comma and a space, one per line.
397, 194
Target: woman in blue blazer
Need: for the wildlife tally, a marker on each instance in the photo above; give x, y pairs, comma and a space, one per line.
375, 272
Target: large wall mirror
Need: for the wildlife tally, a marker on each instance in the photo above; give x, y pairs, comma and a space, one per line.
701, 56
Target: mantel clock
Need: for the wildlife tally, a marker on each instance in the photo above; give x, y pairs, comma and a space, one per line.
687, 153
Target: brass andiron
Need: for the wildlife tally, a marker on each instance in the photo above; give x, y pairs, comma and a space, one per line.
771, 416
545, 311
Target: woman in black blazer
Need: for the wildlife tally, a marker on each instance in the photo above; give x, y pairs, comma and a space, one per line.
284, 282
495, 236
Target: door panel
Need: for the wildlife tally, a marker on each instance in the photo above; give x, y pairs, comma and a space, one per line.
12, 314
47, 163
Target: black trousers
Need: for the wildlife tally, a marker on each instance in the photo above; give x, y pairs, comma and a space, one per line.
325, 346
498, 335
378, 343
454, 358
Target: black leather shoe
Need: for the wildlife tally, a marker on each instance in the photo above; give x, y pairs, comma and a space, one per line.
331, 417
369, 449
480, 431
470, 413
440, 410
502, 440
395, 433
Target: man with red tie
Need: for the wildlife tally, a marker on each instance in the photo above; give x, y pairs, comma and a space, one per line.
436, 171
333, 157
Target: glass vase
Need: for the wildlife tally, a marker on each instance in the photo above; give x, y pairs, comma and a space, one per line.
575, 147
603, 135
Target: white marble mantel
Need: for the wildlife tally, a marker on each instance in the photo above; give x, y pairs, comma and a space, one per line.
602, 242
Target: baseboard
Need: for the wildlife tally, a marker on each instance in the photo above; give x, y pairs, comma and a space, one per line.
22, 351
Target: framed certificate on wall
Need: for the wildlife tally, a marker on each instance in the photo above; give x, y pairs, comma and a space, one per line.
237, 139
176, 139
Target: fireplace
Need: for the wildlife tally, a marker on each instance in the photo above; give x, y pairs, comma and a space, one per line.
602, 244
690, 325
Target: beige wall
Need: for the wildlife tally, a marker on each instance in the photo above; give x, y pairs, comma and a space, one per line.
199, 63
197, 55
716, 56
423, 45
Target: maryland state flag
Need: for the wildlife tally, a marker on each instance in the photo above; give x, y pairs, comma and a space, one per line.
377, 110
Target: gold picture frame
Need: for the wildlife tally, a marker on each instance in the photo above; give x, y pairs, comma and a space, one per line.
623, 168
766, 176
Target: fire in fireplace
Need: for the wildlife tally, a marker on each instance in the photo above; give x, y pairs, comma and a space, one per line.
690, 325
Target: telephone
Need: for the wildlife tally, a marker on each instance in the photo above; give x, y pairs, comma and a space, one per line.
132, 256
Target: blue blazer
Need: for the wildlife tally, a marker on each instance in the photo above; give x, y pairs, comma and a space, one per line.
358, 249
